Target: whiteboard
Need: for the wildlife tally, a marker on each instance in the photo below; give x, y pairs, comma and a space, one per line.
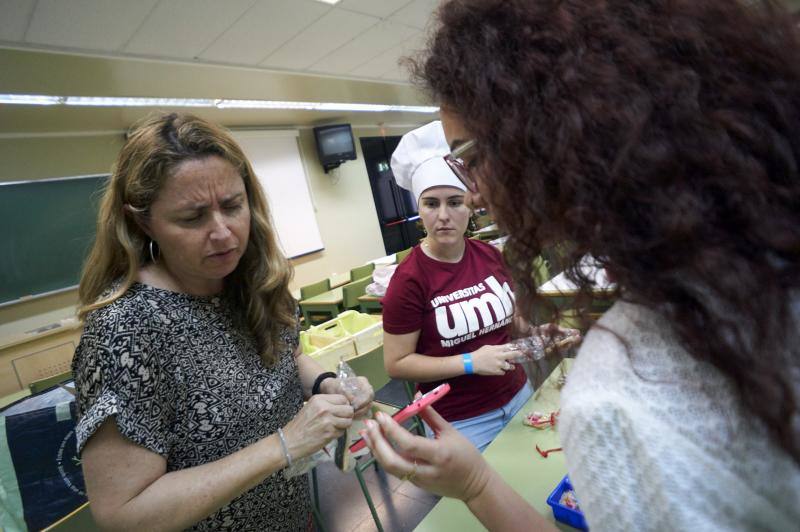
276, 159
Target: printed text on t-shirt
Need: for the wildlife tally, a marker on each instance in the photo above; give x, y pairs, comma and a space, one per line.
475, 316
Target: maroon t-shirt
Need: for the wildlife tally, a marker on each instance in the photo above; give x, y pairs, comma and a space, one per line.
457, 307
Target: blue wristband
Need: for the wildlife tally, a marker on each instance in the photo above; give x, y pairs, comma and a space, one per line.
467, 359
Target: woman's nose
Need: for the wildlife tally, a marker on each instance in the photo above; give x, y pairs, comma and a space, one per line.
219, 229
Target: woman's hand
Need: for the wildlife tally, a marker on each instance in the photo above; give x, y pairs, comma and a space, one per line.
323, 418
449, 465
357, 390
556, 337
493, 359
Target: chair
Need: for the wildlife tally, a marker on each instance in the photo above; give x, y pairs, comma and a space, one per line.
315, 289
352, 291
541, 270
370, 304
311, 290
371, 366
400, 255
49, 382
556, 257
362, 271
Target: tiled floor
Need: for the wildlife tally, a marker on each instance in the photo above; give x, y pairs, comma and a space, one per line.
400, 505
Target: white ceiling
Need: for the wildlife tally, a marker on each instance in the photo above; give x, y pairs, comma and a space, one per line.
360, 39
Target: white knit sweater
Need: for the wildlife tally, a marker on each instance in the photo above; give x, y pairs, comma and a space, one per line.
655, 440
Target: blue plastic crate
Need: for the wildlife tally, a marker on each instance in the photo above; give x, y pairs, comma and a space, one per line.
573, 518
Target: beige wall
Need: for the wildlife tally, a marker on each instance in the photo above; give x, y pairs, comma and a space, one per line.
57, 156
346, 213
345, 210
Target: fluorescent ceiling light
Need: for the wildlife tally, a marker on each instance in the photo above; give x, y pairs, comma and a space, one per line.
354, 107
322, 106
136, 102
414, 108
102, 101
331, 2
30, 99
265, 104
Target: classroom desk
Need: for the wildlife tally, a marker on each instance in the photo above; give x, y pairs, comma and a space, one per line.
488, 229
339, 279
330, 302
336, 280
513, 454
369, 304
560, 290
489, 232
37, 354
561, 286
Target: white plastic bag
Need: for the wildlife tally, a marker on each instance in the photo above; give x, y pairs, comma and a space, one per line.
380, 280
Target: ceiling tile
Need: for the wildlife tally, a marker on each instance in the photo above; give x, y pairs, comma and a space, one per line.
184, 28
387, 62
373, 42
266, 26
14, 16
103, 25
328, 33
376, 8
418, 13
397, 73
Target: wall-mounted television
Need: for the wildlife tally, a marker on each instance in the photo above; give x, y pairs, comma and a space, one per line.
334, 145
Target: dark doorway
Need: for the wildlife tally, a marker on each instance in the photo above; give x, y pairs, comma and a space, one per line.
396, 207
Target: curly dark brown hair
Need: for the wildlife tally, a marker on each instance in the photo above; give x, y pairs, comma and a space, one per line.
662, 137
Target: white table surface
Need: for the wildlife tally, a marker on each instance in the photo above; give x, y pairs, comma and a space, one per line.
388, 259
561, 285
487, 229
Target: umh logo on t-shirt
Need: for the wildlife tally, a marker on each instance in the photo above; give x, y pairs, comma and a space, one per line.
475, 316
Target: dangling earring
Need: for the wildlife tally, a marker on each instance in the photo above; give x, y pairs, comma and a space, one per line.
153, 255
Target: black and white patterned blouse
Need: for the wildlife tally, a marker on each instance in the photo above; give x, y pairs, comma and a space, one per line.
186, 382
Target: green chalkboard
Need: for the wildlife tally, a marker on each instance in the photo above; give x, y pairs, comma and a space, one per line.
46, 229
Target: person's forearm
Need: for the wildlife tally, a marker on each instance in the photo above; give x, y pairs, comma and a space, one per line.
309, 370
423, 368
179, 499
499, 507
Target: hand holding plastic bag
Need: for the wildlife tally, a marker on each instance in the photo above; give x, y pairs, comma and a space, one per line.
546, 339
359, 393
357, 390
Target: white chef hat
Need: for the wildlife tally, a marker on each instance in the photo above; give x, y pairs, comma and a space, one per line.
418, 162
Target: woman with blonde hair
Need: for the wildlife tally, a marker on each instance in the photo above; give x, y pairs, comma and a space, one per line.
191, 383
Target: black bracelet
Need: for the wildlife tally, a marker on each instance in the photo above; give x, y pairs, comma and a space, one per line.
321, 377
